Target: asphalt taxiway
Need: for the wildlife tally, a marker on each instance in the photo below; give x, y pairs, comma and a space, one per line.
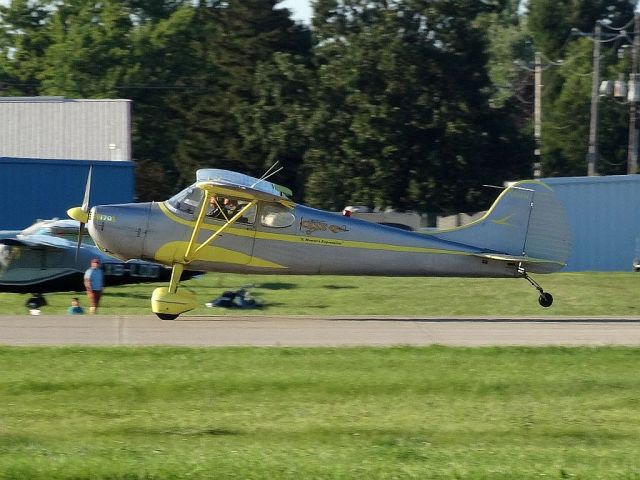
316, 331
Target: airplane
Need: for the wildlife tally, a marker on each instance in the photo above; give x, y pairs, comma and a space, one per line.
525, 231
42, 258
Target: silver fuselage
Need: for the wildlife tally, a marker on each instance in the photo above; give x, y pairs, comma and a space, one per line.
315, 242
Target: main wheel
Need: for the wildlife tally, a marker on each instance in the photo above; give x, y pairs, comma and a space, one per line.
166, 316
545, 299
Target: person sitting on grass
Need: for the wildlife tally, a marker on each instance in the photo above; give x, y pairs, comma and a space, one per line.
75, 308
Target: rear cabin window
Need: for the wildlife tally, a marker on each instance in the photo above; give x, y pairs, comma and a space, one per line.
276, 216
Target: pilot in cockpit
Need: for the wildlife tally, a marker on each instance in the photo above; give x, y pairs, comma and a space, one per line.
222, 207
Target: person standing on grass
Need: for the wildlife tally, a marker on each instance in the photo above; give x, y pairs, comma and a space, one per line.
94, 283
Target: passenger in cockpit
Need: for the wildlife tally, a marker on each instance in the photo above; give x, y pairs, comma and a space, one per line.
222, 207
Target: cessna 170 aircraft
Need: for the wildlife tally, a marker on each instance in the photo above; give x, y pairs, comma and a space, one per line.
42, 258
231, 222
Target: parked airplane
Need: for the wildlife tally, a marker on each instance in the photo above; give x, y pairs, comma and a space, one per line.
42, 258
231, 222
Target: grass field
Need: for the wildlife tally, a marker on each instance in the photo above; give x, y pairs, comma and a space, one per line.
348, 413
343, 413
574, 293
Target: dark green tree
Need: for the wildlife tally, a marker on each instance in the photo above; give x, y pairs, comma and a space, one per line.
567, 89
89, 50
567, 118
273, 127
550, 22
24, 39
163, 74
402, 114
236, 38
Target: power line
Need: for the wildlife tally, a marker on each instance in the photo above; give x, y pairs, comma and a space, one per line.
133, 86
624, 27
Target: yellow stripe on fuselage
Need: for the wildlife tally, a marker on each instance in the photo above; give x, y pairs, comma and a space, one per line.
172, 251
327, 242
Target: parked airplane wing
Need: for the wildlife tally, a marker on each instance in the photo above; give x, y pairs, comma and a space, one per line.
39, 245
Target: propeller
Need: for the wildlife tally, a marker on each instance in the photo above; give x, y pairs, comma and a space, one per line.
82, 213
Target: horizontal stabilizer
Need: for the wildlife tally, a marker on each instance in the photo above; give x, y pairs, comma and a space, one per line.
537, 265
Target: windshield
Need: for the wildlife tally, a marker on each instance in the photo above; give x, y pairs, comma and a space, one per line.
186, 201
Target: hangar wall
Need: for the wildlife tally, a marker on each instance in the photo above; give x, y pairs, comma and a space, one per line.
57, 127
34, 188
46, 147
605, 220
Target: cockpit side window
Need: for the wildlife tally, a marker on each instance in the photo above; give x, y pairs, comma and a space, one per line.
187, 201
224, 208
276, 216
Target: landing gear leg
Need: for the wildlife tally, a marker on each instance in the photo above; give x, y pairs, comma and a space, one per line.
545, 299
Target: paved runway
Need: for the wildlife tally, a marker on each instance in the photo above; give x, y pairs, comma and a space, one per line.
316, 331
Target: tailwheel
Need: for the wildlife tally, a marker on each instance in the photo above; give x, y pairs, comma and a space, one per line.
545, 299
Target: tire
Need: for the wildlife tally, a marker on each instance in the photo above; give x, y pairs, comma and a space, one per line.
545, 299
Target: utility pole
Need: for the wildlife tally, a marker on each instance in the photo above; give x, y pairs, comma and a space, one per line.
537, 116
592, 154
632, 153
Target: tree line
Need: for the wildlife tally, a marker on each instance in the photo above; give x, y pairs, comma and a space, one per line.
408, 104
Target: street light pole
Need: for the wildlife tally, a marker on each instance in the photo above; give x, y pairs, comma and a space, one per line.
537, 116
592, 154
632, 153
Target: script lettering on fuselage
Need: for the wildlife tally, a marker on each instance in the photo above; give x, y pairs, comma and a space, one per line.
311, 226
321, 241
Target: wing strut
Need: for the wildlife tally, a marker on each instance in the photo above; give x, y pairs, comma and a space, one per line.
192, 251
166, 302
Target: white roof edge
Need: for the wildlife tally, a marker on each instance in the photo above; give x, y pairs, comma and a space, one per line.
53, 99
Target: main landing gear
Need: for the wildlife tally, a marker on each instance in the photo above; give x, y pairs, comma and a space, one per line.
167, 302
545, 299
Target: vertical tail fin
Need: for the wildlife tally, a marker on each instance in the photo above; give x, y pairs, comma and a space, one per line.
526, 223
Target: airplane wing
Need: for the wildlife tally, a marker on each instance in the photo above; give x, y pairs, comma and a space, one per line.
227, 189
48, 244
8, 234
226, 182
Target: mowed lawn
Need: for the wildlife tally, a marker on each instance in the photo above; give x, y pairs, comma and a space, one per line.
295, 413
575, 294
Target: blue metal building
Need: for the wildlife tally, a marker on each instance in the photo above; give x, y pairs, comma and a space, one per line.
32, 188
604, 213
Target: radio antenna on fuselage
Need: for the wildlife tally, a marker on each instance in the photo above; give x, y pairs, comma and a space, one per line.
515, 187
268, 173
